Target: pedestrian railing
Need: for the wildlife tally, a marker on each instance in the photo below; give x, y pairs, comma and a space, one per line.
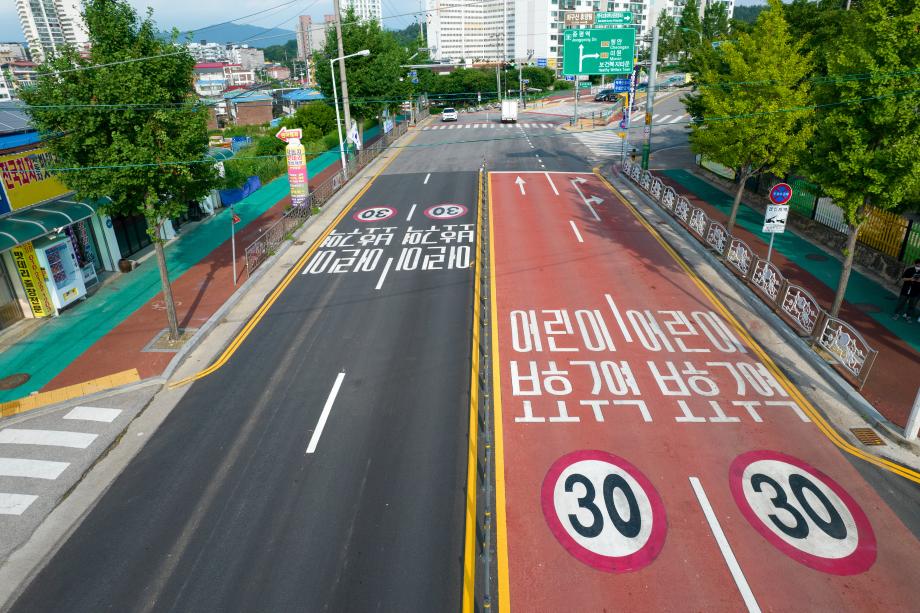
835, 340
270, 239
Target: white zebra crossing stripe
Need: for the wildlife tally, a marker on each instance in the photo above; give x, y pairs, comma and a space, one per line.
601, 143
32, 469
15, 504
663, 119
93, 414
53, 438
678, 118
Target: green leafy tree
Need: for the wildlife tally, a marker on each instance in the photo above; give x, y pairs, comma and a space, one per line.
669, 40
753, 115
281, 53
375, 82
690, 27
867, 137
319, 115
143, 158
715, 21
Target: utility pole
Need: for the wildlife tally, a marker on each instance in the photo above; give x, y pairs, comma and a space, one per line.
338, 34
650, 101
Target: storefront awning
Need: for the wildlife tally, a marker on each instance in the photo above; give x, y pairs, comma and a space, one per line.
29, 224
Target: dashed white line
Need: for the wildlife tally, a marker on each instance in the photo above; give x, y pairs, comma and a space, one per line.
383, 275
551, 184
93, 414
314, 440
726, 549
51, 438
32, 469
577, 233
428, 176
412, 210
15, 504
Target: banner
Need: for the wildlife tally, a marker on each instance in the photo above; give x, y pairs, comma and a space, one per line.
33, 280
353, 135
25, 181
297, 172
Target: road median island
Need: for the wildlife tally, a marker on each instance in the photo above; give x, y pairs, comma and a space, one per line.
828, 393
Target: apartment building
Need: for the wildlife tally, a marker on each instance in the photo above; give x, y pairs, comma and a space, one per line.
14, 76
12, 52
248, 57
204, 51
364, 9
50, 25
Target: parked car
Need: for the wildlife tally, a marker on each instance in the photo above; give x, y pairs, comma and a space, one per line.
606, 95
449, 114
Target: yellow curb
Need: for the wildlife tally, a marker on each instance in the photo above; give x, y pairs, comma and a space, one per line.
77, 390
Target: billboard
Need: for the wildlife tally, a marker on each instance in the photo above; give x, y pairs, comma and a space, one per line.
25, 181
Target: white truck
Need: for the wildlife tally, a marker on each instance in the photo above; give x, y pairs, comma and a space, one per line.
509, 110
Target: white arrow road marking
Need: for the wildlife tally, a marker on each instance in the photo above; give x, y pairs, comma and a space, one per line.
520, 183
314, 440
726, 549
587, 201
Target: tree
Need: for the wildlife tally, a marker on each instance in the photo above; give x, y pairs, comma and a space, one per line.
144, 157
715, 21
755, 114
669, 39
690, 27
375, 82
318, 114
281, 53
867, 137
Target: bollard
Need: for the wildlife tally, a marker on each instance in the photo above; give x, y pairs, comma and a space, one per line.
913, 422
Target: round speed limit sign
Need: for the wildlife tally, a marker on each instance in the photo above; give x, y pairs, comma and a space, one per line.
604, 511
446, 211
802, 512
374, 213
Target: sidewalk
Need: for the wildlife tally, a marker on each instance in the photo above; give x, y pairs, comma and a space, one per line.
107, 334
890, 388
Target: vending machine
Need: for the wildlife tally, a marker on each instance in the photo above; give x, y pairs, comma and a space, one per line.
62, 271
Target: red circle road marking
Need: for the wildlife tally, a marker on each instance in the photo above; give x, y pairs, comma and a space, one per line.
629, 546
374, 213
447, 211
819, 525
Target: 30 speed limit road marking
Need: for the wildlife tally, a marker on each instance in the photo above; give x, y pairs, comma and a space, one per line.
446, 211
604, 511
803, 512
374, 213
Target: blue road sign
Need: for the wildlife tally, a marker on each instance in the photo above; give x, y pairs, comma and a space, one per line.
620, 85
569, 77
541, 62
413, 73
780, 193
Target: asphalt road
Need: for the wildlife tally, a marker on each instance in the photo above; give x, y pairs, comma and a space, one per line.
226, 508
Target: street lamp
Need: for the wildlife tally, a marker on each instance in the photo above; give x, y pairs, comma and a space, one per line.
335, 96
697, 32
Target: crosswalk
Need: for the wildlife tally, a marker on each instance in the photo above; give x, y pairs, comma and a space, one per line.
672, 118
50, 452
468, 126
602, 144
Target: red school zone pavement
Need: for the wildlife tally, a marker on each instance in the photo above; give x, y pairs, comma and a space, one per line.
636, 424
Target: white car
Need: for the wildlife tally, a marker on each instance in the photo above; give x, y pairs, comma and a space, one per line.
449, 114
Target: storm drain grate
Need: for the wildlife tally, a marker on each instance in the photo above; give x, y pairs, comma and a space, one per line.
867, 436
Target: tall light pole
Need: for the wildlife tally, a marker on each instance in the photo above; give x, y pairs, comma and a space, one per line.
338, 36
650, 99
335, 97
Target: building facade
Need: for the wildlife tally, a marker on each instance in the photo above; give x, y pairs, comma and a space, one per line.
203, 51
50, 25
459, 30
248, 57
364, 9
14, 76
12, 52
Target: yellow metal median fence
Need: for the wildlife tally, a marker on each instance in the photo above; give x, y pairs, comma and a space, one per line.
884, 231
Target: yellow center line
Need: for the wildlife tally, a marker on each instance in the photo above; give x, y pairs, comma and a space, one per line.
273, 297
823, 425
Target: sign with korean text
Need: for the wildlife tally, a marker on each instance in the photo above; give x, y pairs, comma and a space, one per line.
33, 280
774, 221
26, 181
297, 172
599, 51
289, 134
613, 18
573, 19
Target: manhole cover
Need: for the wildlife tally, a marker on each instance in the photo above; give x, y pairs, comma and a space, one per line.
869, 308
867, 436
816, 257
14, 381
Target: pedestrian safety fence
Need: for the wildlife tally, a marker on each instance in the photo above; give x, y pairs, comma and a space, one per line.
270, 239
834, 339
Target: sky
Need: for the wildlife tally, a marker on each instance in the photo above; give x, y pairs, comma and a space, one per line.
187, 15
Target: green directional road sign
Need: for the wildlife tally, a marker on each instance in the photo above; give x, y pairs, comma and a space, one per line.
613, 18
598, 51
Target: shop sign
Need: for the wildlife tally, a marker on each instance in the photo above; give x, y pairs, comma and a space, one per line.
33, 280
573, 19
297, 172
25, 180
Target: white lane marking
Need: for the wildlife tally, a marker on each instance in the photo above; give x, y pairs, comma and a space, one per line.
15, 504
412, 210
577, 233
383, 275
663, 118
93, 414
428, 176
314, 440
726, 549
677, 118
33, 469
53, 438
551, 184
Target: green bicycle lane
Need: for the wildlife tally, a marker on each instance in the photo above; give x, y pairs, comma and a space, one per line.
861, 290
